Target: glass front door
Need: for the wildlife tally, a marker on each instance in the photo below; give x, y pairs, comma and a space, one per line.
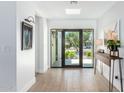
71, 48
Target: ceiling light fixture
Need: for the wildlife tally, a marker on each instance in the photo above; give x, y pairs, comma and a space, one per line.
72, 11
74, 2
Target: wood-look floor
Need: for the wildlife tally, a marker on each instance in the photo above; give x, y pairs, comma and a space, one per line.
70, 80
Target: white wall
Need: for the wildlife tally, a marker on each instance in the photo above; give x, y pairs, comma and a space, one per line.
42, 45
46, 52
114, 13
7, 46
25, 59
17, 68
37, 34
72, 23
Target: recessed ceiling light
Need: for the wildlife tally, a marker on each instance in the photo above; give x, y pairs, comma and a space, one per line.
72, 11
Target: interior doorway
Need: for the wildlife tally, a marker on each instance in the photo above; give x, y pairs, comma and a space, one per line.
72, 48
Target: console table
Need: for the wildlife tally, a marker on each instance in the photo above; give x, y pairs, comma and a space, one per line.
107, 59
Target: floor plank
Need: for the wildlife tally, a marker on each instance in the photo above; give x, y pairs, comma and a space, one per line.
70, 80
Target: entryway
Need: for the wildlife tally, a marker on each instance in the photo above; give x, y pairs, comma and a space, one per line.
72, 47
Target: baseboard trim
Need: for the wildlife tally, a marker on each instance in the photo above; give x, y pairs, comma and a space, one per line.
43, 71
28, 85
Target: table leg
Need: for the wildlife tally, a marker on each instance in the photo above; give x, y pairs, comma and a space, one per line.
95, 66
112, 75
121, 82
101, 68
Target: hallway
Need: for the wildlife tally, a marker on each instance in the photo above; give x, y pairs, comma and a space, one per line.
70, 80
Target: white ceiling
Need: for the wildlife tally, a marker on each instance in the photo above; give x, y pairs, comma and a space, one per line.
89, 9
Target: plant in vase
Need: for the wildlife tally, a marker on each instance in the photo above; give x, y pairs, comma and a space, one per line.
113, 44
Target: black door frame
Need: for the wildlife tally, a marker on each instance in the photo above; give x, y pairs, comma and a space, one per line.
80, 47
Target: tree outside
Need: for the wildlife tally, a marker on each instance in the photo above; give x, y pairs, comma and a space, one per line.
72, 43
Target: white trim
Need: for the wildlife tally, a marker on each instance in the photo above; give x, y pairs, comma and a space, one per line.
28, 85
43, 71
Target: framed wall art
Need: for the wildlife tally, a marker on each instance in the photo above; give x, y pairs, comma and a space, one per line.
27, 34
